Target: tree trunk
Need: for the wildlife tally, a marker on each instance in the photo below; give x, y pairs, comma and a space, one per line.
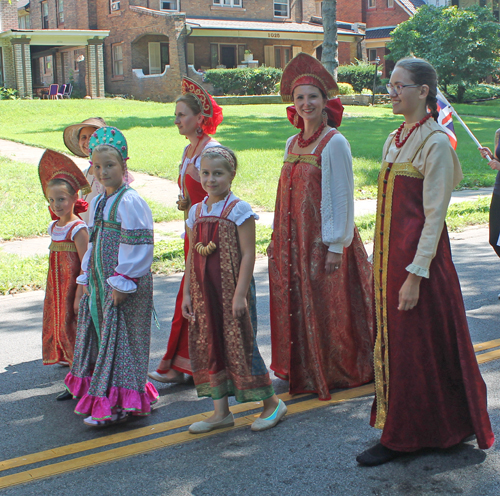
330, 54
460, 93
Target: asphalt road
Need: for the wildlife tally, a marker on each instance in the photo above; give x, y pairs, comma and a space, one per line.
310, 453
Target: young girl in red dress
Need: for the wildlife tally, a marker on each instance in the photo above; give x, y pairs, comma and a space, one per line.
222, 343
61, 180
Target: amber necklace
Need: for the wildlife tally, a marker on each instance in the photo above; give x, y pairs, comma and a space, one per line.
203, 250
305, 143
399, 144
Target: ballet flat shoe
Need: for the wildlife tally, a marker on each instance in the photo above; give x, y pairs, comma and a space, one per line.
65, 395
180, 379
262, 424
202, 427
377, 455
116, 418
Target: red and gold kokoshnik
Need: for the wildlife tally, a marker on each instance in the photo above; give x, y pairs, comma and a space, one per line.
190, 86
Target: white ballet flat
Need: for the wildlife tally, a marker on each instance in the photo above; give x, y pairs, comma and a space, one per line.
262, 424
202, 427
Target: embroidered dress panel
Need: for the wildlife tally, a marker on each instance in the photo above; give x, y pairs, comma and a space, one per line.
112, 348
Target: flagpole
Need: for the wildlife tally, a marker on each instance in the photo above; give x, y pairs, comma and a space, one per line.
464, 125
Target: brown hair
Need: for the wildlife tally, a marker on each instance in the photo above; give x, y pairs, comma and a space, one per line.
191, 101
213, 155
108, 148
422, 72
61, 182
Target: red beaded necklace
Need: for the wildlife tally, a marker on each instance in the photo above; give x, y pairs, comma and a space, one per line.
399, 144
305, 143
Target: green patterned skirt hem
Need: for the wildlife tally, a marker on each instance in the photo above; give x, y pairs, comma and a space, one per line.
205, 390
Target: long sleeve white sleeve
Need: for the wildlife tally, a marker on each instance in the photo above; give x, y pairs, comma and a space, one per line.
83, 278
135, 254
337, 190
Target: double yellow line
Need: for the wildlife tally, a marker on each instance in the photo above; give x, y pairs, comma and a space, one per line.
171, 439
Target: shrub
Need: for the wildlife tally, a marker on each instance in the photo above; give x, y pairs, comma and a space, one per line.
261, 81
366, 91
345, 89
8, 94
358, 75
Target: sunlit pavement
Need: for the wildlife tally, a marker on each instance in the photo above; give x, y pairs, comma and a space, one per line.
312, 452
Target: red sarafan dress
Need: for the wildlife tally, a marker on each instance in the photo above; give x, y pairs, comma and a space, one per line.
59, 318
321, 325
177, 354
224, 353
429, 390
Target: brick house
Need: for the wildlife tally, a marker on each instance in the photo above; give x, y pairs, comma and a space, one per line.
380, 17
144, 47
50, 41
153, 43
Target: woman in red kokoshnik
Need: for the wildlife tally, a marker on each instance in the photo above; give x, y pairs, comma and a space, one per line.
428, 388
319, 276
196, 116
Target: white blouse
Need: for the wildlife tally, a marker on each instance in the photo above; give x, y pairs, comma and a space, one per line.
134, 260
59, 233
239, 214
439, 165
337, 193
197, 162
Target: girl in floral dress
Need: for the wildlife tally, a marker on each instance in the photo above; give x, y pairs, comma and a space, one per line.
109, 373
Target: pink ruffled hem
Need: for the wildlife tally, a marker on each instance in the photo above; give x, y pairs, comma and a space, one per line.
101, 408
77, 386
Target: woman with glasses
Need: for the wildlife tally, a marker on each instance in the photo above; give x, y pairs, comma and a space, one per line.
429, 392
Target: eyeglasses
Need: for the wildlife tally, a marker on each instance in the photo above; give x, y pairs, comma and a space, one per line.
398, 88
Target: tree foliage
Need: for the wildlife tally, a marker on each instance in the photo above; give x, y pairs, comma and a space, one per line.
462, 44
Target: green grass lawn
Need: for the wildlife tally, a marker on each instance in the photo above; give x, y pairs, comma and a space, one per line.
257, 133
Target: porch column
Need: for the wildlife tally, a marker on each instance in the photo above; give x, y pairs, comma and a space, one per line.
22, 66
95, 69
9, 77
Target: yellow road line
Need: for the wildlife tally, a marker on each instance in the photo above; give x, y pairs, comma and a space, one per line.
169, 440
488, 357
487, 345
121, 437
162, 442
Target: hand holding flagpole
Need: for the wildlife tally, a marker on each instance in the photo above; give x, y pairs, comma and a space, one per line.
469, 132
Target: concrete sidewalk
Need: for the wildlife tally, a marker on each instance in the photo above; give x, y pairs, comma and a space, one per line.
164, 192
311, 453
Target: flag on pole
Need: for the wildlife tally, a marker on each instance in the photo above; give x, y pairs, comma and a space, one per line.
445, 120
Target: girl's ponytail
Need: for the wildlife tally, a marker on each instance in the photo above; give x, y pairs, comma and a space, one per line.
422, 72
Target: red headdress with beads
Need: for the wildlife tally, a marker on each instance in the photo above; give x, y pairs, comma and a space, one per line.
209, 107
55, 165
306, 69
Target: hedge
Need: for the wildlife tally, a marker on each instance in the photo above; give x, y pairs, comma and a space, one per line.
345, 89
359, 76
261, 81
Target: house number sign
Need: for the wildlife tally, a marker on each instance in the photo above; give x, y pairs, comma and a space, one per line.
273, 35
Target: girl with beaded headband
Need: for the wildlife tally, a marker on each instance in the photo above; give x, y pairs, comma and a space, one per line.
197, 115
429, 392
61, 181
109, 372
222, 341
319, 276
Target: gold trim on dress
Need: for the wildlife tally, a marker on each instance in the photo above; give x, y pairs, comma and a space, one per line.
386, 180
308, 159
60, 246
